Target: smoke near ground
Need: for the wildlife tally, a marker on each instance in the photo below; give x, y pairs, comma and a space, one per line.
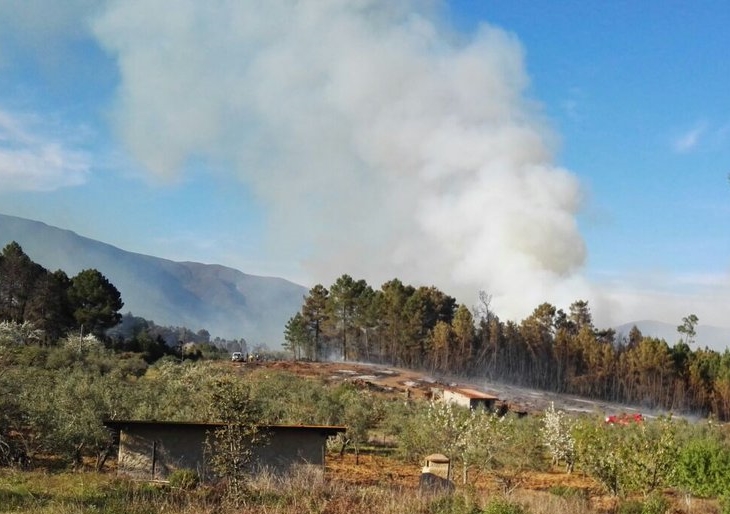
379, 140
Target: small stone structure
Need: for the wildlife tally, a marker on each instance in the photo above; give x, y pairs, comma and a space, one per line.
152, 450
437, 464
435, 474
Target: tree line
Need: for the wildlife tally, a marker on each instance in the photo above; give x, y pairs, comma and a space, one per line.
53, 303
407, 326
553, 350
52, 306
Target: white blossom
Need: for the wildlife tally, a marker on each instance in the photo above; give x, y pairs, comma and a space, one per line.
557, 436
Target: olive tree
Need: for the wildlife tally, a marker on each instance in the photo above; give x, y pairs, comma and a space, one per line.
360, 414
230, 446
638, 457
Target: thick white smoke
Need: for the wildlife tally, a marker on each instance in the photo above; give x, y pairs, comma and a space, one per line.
381, 142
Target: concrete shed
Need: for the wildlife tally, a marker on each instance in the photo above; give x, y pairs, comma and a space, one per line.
152, 450
435, 474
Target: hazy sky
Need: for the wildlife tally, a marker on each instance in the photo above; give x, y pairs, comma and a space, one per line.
538, 151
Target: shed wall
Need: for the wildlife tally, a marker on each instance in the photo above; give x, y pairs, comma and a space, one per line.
454, 397
291, 446
153, 452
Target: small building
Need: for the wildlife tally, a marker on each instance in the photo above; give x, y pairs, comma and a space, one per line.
435, 474
470, 398
152, 450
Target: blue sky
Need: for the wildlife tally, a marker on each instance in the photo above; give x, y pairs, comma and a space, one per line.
539, 151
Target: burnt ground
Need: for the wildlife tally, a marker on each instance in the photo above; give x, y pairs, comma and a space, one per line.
376, 468
390, 380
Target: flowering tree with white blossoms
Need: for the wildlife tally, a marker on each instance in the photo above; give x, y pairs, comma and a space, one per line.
82, 344
557, 436
451, 426
12, 333
475, 437
492, 439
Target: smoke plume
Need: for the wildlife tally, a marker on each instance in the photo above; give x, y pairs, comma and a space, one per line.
382, 143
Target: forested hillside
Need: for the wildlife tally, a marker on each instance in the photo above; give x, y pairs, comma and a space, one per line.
415, 327
554, 350
63, 373
228, 303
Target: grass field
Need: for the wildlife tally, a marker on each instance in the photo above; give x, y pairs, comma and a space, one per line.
379, 484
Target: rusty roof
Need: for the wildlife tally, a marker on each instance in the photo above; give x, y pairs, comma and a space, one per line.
474, 394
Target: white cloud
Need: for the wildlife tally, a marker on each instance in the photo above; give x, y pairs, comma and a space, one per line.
378, 140
572, 104
689, 140
32, 161
665, 297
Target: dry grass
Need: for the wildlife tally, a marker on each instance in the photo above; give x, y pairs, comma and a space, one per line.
376, 486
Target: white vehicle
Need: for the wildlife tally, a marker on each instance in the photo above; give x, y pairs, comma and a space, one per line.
236, 356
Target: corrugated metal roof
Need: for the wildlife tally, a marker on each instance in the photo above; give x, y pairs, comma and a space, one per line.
474, 394
119, 423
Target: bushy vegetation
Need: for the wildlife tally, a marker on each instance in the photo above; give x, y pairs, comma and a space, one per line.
638, 457
703, 463
636, 461
58, 383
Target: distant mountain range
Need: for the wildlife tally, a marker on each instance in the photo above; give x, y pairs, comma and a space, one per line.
226, 302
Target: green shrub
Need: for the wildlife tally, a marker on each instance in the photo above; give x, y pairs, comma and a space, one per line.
703, 467
568, 492
639, 457
655, 503
725, 504
630, 507
453, 504
184, 479
502, 506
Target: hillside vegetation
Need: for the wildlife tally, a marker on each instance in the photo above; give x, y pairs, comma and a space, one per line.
58, 386
55, 398
420, 328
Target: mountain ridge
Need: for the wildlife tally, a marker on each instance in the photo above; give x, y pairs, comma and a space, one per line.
227, 302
